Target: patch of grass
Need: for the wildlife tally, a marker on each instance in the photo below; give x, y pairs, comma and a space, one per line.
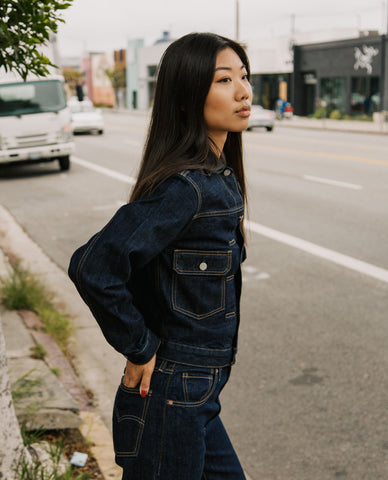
24, 393
57, 324
52, 468
55, 371
22, 290
38, 351
61, 443
24, 386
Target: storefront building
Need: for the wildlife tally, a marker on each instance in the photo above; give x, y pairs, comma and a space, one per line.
349, 76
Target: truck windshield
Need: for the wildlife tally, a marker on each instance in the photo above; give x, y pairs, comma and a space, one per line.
31, 97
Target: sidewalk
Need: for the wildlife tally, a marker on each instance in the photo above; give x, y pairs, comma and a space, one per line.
53, 395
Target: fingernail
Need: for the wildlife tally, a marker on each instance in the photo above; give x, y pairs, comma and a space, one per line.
143, 393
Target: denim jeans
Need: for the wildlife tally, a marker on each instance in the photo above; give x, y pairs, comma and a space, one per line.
175, 433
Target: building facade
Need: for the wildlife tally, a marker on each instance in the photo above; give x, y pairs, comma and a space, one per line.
347, 75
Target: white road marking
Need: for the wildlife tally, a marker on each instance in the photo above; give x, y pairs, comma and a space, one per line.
322, 252
104, 171
253, 273
335, 183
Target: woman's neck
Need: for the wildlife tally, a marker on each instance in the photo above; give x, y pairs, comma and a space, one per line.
217, 143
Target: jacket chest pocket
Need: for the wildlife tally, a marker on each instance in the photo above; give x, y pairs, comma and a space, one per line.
198, 284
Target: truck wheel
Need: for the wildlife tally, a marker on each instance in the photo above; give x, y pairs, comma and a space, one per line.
64, 162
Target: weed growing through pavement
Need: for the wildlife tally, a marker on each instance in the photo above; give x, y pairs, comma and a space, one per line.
24, 387
22, 290
38, 351
53, 466
23, 393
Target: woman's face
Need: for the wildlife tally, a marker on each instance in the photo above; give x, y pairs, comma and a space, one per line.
228, 103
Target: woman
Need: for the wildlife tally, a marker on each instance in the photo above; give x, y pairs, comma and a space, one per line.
163, 277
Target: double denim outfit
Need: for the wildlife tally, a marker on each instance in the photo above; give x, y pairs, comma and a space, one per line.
163, 276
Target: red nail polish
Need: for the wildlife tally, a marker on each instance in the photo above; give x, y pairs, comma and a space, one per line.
143, 393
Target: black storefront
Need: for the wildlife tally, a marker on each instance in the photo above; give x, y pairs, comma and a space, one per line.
267, 88
348, 75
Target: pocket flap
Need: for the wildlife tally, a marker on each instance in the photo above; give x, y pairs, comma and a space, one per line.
206, 262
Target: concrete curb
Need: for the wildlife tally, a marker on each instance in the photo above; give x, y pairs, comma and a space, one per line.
95, 431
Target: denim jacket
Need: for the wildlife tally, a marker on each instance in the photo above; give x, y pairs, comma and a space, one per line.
163, 276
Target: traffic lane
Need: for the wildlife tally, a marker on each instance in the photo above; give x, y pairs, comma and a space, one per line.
352, 222
307, 397
116, 149
61, 211
344, 143
351, 168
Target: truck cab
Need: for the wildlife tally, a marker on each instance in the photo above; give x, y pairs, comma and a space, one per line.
35, 121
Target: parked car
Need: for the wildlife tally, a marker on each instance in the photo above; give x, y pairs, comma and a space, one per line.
260, 117
85, 117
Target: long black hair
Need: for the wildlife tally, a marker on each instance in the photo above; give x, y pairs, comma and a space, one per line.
177, 136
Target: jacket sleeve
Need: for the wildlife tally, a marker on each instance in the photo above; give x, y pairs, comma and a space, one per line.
101, 268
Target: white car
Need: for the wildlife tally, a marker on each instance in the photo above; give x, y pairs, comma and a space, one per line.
86, 118
260, 117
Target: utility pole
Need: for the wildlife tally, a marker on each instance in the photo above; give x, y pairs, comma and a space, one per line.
384, 17
237, 19
292, 29
386, 11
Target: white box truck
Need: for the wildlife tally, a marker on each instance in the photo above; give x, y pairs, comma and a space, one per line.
35, 121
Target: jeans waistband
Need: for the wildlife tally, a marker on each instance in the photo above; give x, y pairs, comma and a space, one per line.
197, 356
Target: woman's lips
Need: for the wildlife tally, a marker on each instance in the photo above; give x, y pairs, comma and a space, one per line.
244, 112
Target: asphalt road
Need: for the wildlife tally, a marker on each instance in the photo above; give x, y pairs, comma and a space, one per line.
308, 396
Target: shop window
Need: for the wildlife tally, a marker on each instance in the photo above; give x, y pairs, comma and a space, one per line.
333, 94
365, 95
268, 88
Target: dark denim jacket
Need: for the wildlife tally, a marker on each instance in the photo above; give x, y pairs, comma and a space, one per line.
164, 274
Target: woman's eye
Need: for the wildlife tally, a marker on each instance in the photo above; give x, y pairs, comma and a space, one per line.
224, 80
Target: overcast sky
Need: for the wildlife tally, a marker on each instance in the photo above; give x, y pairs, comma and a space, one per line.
105, 25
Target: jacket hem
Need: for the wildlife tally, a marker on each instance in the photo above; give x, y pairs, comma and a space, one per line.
196, 356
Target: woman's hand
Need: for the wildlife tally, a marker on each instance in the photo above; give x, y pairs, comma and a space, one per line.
135, 374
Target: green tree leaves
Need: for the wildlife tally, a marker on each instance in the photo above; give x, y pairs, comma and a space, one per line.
24, 26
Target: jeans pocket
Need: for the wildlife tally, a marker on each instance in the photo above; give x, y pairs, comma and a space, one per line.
129, 415
192, 387
196, 386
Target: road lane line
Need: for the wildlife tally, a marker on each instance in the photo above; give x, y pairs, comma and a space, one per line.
322, 252
335, 183
104, 171
336, 156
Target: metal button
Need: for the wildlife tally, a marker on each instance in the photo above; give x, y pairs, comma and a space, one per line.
203, 266
226, 172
